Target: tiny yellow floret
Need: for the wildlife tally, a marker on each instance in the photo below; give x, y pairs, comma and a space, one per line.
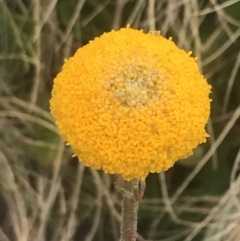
131, 103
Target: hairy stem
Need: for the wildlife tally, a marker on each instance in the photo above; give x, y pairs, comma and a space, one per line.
130, 201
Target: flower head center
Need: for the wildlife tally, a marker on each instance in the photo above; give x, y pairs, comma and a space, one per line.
135, 85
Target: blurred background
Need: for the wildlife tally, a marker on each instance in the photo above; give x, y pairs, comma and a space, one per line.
45, 194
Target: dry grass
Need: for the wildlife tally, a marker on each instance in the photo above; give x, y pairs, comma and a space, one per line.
47, 196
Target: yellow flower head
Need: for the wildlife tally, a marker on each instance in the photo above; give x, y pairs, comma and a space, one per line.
131, 103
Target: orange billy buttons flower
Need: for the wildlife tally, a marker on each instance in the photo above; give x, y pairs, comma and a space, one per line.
131, 103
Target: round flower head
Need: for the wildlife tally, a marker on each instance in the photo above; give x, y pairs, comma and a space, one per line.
131, 103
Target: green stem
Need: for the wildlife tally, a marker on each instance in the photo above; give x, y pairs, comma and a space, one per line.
130, 201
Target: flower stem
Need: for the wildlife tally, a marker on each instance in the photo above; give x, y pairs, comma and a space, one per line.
130, 201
